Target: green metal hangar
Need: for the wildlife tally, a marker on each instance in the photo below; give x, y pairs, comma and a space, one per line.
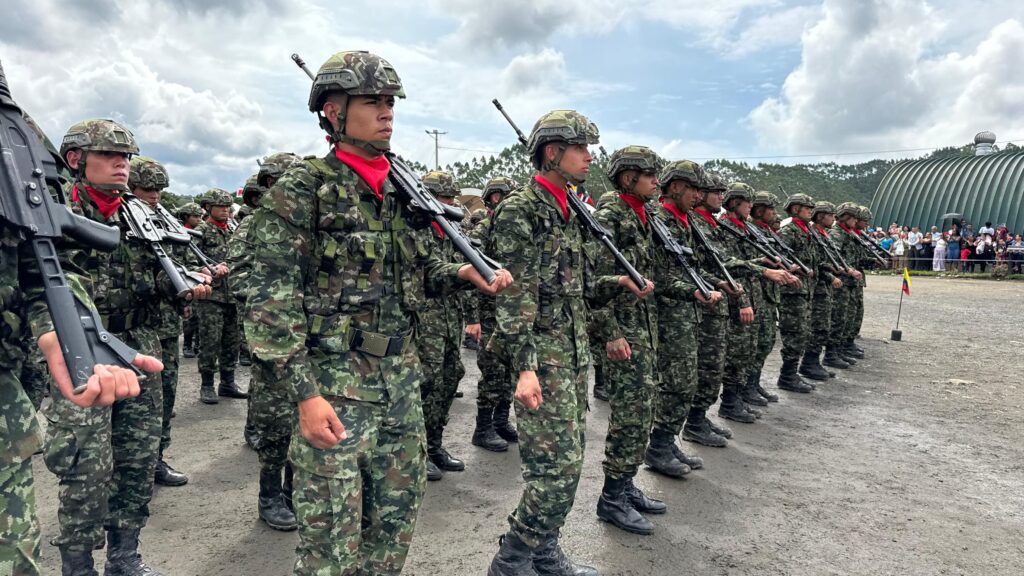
986, 187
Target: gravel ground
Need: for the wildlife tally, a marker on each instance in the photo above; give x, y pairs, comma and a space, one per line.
910, 463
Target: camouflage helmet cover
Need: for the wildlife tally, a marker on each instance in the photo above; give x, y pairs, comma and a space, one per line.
799, 200
639, 158
865, 213
441, 183
685, 170
252, 190
218, 197
274, 165
739, 191
823, 207
190, 209
147, 173
502, 184
714, 182
847, 209
356, 73
99, 135
765, 198
567, 126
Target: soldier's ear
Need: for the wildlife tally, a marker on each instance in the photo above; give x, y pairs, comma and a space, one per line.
72, 157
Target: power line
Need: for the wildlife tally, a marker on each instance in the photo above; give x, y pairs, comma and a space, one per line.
436, 134
469, 149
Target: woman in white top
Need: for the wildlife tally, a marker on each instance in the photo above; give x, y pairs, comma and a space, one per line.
939, 259
899, 246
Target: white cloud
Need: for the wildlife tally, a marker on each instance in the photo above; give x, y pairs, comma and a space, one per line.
874, 75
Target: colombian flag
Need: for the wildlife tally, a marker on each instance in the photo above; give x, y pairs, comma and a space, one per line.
906, 282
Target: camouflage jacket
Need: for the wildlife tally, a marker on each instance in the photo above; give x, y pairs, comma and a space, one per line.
477, 306
542, 316
799, 239
737, 268
167, 322
750, 276
852, 251
673, 286
214, 243
769, 289
243, 211
240, 261
826, 273
440, 319
333, 269
625, 316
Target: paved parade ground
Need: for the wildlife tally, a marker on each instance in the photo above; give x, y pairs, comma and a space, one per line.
911, 463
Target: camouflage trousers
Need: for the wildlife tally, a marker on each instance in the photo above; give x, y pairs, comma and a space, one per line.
19, 528
767, 324
356, 503
243, 343
104, 458
34, 376
794, 325
495, 384
842, 315
631, 388
821, 318
442, 372
272, 413
711, 336
171, 358
189, 329
741, 349
857, 313
551, 445
218, 336
597, 360
677, 373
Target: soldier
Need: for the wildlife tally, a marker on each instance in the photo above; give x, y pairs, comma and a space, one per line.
218, 315
541, 326
251, 193
438, 341
147, 180
105, 459
333, 231
823, 217
678, 322
744, 312
828, 279
795, 309
843, 306
191, 215
493, 429
763, 215
863, 220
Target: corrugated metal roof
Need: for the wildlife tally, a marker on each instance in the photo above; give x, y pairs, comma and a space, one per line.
982, 188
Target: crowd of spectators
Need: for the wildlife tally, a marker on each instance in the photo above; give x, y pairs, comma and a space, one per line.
961, 248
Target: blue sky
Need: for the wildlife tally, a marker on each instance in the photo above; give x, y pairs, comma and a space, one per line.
208, 88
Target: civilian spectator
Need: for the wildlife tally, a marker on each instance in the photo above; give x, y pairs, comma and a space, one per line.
966, 264
1003, 233
913, 244
886, 243
953, 251
985, 252
936, 234
987, 229
1016, 251
925, 252
968, 233
939, 257
894, 228
899, 250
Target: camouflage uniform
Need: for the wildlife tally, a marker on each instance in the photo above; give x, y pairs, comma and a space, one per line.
105, 457
821, 305
768, 322
34, 378
843, 306
343, 271
189, 325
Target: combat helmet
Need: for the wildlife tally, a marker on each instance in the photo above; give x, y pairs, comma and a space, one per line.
633, 157
502, 184
273, 166
147, 173
765, 198
218, 197
189, 209
98, 135
823, 207
354, 73
739, 191
865, 213
252, 191
847, 209
566, 127
686, 170
799, 200
441, 184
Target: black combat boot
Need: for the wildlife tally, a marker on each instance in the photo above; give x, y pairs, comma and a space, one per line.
698, 429
433, 472
694, 462
272, 507
123, 557
484, 435
244, 359
438, 455
614, 507
251, 435
750, 393
207, 395
719, 429
755, 381
790, 380
845, 355
599, 390
810, 366
550, 560
642, 502
833, 360
228, 388
660, 456
167, 476
287, 486
854, 350
502, 426
470, 344
514, 558
732, 408
76, 563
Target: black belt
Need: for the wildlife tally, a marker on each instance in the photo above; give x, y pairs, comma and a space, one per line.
118, 323
379, 345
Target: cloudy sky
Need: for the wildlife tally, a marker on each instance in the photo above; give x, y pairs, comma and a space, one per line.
207, 85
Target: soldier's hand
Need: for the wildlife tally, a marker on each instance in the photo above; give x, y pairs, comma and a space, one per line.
632, 287
618, 350
502, 280
202, 291
724, 287
528, 390
837, 283
221, 270
473, 331
711, 300
187, 312
319, 423
107, 384
857, 275
746, 316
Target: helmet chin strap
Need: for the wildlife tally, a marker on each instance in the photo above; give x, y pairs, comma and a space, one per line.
555, 165
112, 189
374, 147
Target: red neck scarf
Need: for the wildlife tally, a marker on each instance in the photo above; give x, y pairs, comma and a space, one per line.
767, 227
848, 229
187, 226
221, 225
706, 216
374, 172
801, 225
106, 204
676, 212
558, 193
437, 228
822, 230
736, 221
637, 205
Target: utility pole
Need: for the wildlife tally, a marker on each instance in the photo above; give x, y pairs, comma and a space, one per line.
435, 134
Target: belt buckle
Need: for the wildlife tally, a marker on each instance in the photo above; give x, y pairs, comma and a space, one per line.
374, 344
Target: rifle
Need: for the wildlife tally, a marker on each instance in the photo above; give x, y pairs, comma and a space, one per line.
712, 253
681, 253
586, 219
778, 241
880, 254
750, 239
27, 170
145, 225
837, 266
418, 199
174, 231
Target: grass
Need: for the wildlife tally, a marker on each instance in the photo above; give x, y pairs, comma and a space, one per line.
957, 275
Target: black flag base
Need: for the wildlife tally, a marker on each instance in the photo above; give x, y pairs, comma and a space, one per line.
896, 335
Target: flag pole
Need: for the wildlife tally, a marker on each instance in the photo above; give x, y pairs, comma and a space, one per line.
896, 335
899, 311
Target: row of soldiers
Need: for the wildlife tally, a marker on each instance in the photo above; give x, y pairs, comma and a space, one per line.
353, 306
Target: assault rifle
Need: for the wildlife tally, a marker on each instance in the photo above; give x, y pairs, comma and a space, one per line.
582, 211
145, 225
681, 253
173, 231
778, 241
747, 237
871, 245
713, 253
755, 230
418, 199
27, 170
